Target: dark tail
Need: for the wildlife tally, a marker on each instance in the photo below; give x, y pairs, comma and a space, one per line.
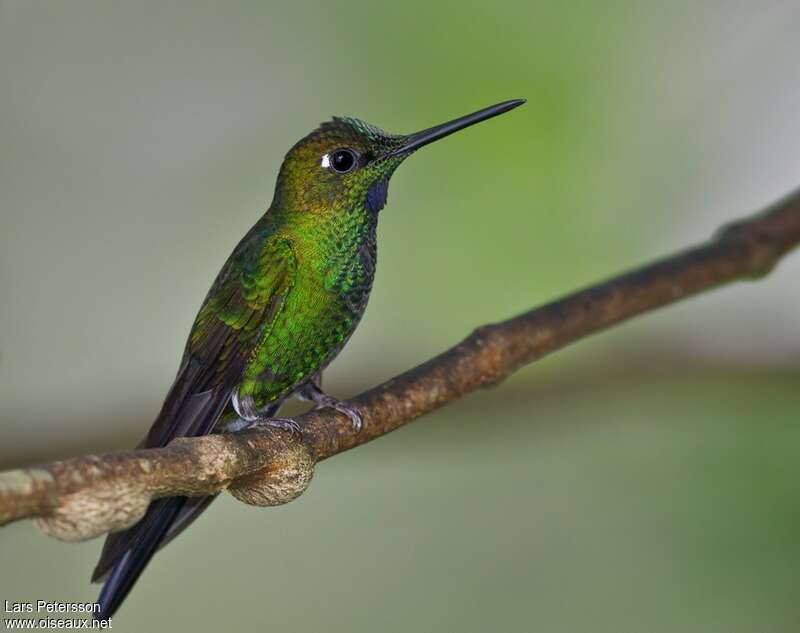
126, 553
161, 515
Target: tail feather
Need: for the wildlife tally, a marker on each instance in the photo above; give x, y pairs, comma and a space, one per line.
127, 570
125, 554
192, 509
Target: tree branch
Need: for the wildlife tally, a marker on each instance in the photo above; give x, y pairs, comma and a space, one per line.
81, 498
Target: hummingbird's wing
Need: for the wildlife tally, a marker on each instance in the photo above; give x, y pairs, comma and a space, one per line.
237, 313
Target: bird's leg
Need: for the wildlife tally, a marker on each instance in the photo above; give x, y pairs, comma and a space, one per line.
251, 416
312, 391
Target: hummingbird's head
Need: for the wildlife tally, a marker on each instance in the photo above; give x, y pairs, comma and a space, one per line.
345, 164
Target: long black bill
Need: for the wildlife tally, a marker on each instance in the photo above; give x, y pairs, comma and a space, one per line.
415, 141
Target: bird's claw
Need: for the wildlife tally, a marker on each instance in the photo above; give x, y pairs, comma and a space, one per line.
313, 392
284, 424
348, 409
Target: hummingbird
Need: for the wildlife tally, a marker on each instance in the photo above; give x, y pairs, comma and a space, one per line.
283, 306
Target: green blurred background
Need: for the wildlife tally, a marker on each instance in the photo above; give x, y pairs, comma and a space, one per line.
643, 480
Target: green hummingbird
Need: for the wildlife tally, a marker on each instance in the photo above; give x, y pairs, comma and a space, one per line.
282, 307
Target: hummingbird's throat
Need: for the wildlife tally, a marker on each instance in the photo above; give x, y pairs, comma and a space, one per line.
376, 195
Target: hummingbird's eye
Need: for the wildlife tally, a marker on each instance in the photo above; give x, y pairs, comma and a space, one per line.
341, 160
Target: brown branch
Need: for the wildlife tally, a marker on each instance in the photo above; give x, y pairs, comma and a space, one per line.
85, 497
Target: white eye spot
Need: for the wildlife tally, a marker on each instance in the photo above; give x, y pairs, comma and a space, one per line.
326, 161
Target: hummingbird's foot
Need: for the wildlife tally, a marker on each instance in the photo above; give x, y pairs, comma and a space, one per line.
350, 410
284, 424
252, 417
322, 400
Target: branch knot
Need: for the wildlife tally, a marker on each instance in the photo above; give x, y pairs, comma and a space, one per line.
285, 479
